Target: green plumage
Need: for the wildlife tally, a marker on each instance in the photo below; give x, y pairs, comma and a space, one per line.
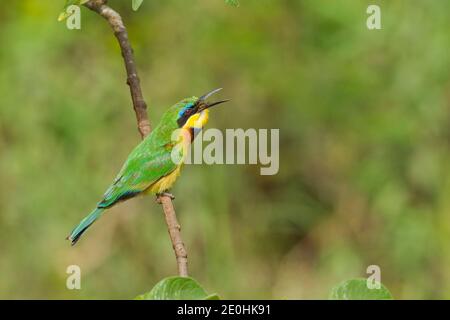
84, 224
147, 163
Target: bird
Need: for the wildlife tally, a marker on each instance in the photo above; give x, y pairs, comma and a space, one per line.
155, 163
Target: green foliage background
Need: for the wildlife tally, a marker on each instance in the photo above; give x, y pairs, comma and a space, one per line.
364, 119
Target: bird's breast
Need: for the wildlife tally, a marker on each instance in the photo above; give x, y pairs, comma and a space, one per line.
166, 182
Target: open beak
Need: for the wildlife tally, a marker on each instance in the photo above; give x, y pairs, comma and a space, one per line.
203, 104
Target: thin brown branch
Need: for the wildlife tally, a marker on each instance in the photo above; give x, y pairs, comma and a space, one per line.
175, 235
140, 107
115, 21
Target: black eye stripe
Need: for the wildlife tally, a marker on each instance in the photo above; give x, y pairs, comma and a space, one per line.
186, 113
182, 120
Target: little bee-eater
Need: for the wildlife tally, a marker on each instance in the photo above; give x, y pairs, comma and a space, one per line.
150, 167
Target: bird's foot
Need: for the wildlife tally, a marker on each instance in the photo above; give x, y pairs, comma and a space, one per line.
167, 194
164, 194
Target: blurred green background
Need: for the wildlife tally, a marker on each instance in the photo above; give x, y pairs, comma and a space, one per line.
364, 119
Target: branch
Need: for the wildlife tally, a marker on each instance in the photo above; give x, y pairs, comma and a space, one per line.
140, 108
175, 235
115, 21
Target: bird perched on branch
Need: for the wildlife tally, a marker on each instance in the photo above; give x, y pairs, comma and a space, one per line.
152, 167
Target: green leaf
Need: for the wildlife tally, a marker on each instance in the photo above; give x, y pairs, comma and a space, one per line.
64, 14
136, 4
234, 3
177, 288
356, 289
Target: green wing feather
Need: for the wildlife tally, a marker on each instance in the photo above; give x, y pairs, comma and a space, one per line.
143, 168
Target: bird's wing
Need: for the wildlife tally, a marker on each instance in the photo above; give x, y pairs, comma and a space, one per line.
142, 168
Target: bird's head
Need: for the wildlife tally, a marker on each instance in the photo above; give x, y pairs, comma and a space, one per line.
193, 113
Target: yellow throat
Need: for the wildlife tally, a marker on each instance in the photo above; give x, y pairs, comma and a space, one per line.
196, 121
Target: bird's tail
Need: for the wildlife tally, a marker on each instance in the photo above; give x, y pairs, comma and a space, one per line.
84, 224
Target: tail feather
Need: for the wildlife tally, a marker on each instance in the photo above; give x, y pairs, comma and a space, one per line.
84, 224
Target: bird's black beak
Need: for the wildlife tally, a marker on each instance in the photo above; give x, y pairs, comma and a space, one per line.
203, 104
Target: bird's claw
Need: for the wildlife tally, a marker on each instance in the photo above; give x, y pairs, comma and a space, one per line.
164, 194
